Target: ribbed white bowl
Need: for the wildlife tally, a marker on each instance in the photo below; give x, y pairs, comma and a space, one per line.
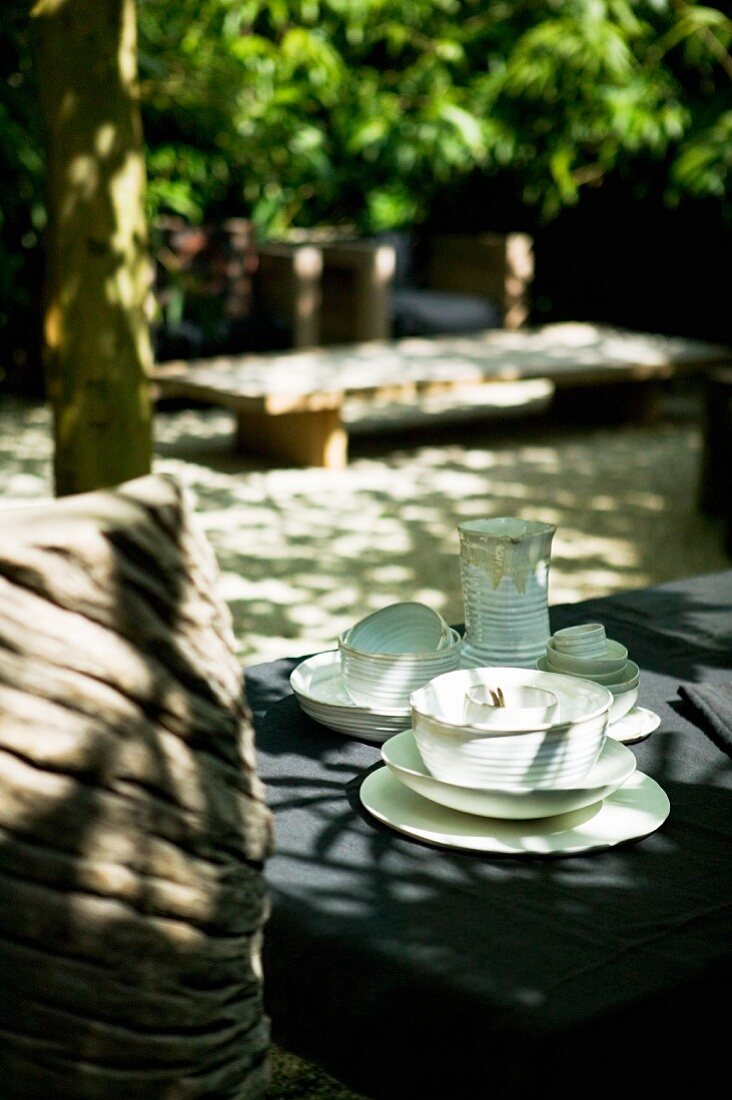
623, 685
557, 754
320, 691
386, 680
403, 627
612, 660
628, 676
584, 640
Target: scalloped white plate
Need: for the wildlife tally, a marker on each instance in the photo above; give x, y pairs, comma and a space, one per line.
634, 810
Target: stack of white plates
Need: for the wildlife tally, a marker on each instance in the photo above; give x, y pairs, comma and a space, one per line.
634, 808
318, 684
613, 803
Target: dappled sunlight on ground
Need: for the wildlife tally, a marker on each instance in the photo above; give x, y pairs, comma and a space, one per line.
305, 552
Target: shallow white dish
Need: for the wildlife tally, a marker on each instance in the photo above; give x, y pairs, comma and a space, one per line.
321, 693
636, 725
616, 763
634, 810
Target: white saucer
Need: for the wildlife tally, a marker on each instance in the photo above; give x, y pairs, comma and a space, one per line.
634, 810
634, 726
615, 764
318, 685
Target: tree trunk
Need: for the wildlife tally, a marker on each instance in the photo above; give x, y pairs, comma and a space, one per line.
96, 333
133, 827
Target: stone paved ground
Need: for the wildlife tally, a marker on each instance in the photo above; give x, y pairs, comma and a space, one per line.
303, 553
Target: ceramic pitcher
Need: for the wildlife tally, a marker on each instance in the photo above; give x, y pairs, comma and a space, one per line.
504, 574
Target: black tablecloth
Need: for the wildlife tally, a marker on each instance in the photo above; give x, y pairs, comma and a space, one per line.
412, 971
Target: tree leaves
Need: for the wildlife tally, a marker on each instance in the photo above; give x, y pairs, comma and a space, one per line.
360, 110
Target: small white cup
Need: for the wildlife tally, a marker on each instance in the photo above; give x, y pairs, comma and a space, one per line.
515, 707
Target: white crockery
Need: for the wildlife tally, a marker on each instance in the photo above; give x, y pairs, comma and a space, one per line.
615, 657
523, 706
504, 574
626, 677
387, 679
614, 765
557, 754
624, 689
404, 627
318, 686
624, 699
584, 640
635, 809
634, 726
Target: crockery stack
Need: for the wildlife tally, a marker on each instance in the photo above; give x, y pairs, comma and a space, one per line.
509, 742
585, 651
393, 651
559, 747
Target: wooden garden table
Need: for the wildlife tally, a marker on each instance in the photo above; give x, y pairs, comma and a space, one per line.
289, 405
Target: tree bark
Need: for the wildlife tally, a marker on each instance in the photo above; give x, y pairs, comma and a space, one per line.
133, 827
96, 332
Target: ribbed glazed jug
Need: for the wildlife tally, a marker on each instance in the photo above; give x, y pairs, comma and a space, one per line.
504, 574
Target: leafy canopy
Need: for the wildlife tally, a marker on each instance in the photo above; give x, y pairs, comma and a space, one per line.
298, 112
302, 111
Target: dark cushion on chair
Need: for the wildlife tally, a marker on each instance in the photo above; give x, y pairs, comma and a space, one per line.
432, 313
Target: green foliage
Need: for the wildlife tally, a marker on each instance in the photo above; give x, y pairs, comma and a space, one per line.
360, 111
22, 200
364, 112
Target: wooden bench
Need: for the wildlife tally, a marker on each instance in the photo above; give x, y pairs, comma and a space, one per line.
289, 405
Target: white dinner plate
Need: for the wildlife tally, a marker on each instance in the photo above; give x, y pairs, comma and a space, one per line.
320, 691
634, 726
615, 764
634, 810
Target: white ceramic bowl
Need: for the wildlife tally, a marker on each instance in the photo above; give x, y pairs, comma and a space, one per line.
404, 627
520, 707
583, 640
615, 763
627, 676
615, 657
556, 754
624, 699
386, 680
546, 664
624, 691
